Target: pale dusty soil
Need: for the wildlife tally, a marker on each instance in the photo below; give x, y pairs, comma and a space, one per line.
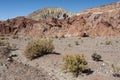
52, 63
18, 71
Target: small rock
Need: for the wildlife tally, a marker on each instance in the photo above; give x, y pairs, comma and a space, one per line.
10, 59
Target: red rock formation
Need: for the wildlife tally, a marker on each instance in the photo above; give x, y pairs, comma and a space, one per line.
16, 25
92, 24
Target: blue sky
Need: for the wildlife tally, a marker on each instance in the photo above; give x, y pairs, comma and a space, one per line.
13, 8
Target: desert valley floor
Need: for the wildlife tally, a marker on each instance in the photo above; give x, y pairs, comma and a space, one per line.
49, 67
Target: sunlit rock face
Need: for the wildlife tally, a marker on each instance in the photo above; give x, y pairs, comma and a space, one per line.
48, 13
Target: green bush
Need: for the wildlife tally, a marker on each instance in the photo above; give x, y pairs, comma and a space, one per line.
38, 47
75, 64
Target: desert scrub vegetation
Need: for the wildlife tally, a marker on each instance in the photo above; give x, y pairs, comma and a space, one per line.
96, 57
76, 43
75, 64
8, 45
107, 42
61, 37
14, 36
4, 43
116, 69
13, 46
55, 36
38, 47
81, 40
117, 41
69, 45
2, 37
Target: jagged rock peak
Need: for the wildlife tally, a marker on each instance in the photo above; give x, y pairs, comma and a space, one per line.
48, 13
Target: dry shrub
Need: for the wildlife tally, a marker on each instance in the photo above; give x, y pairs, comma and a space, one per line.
4, 43
96, 57
75, 64
116, 69
107, 42
15, 36
38, 47
76, 43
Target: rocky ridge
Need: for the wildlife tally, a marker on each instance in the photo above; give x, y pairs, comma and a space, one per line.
48, 13
101, 9
92, 23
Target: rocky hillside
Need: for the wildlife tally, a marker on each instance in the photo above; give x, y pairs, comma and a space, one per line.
92, 23
16, 25
101, 9
48, 13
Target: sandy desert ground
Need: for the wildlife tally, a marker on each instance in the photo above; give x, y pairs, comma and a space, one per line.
49, 67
